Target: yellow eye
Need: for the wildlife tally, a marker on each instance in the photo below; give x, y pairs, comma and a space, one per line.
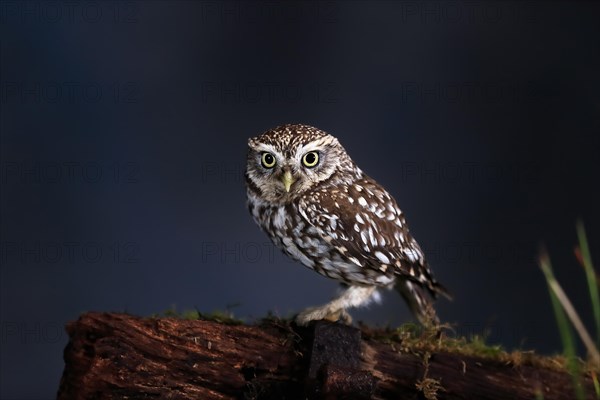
310, 159
267, 160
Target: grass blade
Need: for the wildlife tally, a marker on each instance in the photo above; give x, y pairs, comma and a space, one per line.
564, 328
591, 276
567, 306
596, 384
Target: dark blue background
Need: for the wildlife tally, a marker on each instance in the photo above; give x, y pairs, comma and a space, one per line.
123, 139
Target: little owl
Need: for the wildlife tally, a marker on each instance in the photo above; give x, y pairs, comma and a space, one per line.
316, 205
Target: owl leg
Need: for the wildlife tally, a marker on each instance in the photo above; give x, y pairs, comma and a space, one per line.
419, 302
335, 310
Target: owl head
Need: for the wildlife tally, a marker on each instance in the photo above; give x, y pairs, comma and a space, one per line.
286, 162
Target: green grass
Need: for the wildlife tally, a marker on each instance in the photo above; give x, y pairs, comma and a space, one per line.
539, 396
564, 328
567, 317
586, 260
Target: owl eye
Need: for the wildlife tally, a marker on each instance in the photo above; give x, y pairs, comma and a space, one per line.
267, 160
310, 159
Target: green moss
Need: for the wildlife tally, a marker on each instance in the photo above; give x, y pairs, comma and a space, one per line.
407, 338
222, 317
272, 319
428, 386
414, 339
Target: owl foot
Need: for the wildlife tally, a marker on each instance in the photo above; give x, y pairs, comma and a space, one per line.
323, 313
335, 310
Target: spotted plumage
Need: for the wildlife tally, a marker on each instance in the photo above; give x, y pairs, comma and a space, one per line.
315, 204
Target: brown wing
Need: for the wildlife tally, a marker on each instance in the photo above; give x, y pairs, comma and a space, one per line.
363, 222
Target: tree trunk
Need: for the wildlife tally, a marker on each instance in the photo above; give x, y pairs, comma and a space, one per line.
117, 356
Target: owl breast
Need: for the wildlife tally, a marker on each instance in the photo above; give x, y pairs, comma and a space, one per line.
291, 232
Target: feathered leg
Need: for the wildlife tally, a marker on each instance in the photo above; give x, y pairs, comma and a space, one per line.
419, 302
335, 310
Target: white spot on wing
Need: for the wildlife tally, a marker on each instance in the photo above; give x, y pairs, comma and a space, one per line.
382, 257
372, 237
355, 261
363, 236
412, 255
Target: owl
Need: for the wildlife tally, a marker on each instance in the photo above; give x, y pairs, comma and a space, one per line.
321, 209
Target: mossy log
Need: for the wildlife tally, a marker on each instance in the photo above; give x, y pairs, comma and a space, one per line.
119, 356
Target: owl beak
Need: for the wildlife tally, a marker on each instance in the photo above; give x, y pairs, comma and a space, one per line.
287, 180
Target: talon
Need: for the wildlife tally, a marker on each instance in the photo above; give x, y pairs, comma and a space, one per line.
316, 314
304, 318
333, 317
339, 316
345, 317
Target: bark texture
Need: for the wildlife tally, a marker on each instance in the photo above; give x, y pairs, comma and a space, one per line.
118, 356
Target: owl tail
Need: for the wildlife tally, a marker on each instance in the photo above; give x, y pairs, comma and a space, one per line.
419, 301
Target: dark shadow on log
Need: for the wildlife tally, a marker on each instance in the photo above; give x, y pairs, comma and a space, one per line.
117, 356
